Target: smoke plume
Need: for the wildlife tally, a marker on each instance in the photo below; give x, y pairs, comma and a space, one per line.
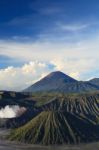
11, 111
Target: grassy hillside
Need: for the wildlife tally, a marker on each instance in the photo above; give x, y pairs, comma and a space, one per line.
56, 127
62, 119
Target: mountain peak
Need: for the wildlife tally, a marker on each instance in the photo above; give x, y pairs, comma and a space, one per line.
52, 82
59, 82
57, 72
56, 75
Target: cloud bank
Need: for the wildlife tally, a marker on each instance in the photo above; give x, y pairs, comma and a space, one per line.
18, 78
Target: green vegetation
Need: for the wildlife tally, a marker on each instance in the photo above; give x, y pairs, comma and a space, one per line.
61, 119
54, 127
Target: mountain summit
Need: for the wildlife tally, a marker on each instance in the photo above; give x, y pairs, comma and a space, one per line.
58, 75
53, 81
60, 82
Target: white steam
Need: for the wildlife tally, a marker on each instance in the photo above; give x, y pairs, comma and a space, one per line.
9, 111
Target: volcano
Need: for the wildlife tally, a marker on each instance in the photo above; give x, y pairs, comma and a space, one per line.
60, 82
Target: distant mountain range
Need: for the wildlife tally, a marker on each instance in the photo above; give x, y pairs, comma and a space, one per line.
60, 82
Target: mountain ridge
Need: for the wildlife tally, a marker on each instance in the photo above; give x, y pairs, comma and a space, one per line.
59, 82
56, 127
94, 81
62, 119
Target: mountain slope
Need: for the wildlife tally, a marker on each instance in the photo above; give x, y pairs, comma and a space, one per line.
53, 81
84, 106
62, 119
59, 82
10, 123
55, 127
94, 81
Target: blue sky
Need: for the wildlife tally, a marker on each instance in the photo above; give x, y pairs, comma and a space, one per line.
48, 34
30, 18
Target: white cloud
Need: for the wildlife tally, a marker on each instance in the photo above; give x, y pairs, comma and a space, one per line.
18, 78
76, 68
74, 27
41, 50
9, 111
74, 58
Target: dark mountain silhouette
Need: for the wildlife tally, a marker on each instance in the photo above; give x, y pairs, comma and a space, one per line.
59, 82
